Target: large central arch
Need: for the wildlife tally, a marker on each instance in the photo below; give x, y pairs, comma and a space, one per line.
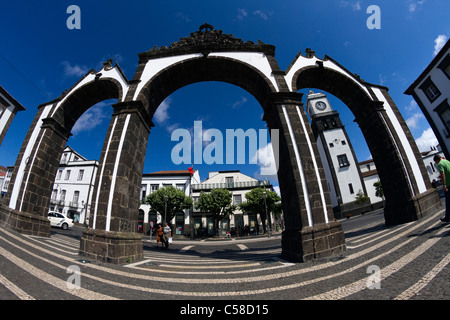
210, 55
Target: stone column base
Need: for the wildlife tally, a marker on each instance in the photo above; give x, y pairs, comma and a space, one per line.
312, 243
418, 207
25, 223
111, 247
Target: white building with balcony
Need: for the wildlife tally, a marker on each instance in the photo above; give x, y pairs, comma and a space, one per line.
74, 186
5, 178
238, 184
151, 182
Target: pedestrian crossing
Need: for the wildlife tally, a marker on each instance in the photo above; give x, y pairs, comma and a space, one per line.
412, 262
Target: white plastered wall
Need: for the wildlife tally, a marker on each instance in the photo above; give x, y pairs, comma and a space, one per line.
255, 59
112, 73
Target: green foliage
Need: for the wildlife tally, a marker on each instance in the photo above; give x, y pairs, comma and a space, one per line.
378, 189
218, 203
256, 204
361, 198
177, 201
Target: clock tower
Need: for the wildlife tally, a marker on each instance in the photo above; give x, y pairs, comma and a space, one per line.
339, 161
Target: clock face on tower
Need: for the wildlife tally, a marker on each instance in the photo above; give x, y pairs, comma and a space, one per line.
321, 105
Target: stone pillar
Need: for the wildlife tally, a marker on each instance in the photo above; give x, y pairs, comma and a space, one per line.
311, 231
404, 201
112, 236
30, 189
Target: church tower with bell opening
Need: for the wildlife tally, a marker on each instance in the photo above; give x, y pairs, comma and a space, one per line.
338, 157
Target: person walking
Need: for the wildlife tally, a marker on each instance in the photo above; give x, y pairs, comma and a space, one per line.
167, 234
159, 235
444, 169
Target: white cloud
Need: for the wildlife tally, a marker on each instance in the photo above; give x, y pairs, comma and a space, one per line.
439, 43
239, 102
427, 140
411, 107
183, 17
382, 79
264, 157
242, 13
277, 190
161, 115
414, 5
91, 118
356, 6
261, 14
413, 121
74, 71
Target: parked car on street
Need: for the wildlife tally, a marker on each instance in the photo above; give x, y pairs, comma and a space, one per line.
59, 220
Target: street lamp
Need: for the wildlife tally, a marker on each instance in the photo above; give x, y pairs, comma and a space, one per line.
265, 204
166, 197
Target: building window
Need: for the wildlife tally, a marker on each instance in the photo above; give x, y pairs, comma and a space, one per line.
80, 175
343, 142
333, 122
443, 110
237, 199
445, 66
58, 176
63, 196
180, 187
155, 187
343, 161
350, 188
67, 175
76, 197
143, 192
331, 145
430, 89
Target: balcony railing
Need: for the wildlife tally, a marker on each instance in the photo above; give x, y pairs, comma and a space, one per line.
73, 204
57, 202
230, 185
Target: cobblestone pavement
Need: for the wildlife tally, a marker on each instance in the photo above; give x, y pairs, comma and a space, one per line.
410, 261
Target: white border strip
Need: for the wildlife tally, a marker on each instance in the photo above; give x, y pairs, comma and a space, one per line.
400, 155
29, 148
29, 170
316, 168
101, 172
300, 167
116, 167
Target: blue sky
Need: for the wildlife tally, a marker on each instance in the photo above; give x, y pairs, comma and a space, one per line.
40, 58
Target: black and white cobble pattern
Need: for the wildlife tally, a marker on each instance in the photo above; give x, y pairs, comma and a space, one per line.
410, 261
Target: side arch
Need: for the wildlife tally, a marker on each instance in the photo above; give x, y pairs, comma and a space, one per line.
29, 191
396, 156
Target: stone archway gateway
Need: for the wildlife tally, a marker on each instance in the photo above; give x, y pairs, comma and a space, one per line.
210, 55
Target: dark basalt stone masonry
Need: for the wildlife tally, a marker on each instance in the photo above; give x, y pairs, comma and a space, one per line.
311, 231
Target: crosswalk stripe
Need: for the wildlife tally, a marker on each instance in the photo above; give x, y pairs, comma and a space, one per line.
422, 283
15, 289
242, 246
288, 270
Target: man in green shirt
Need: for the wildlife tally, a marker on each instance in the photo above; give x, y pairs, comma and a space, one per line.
444, 168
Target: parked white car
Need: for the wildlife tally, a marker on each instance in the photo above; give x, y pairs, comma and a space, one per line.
59, 220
